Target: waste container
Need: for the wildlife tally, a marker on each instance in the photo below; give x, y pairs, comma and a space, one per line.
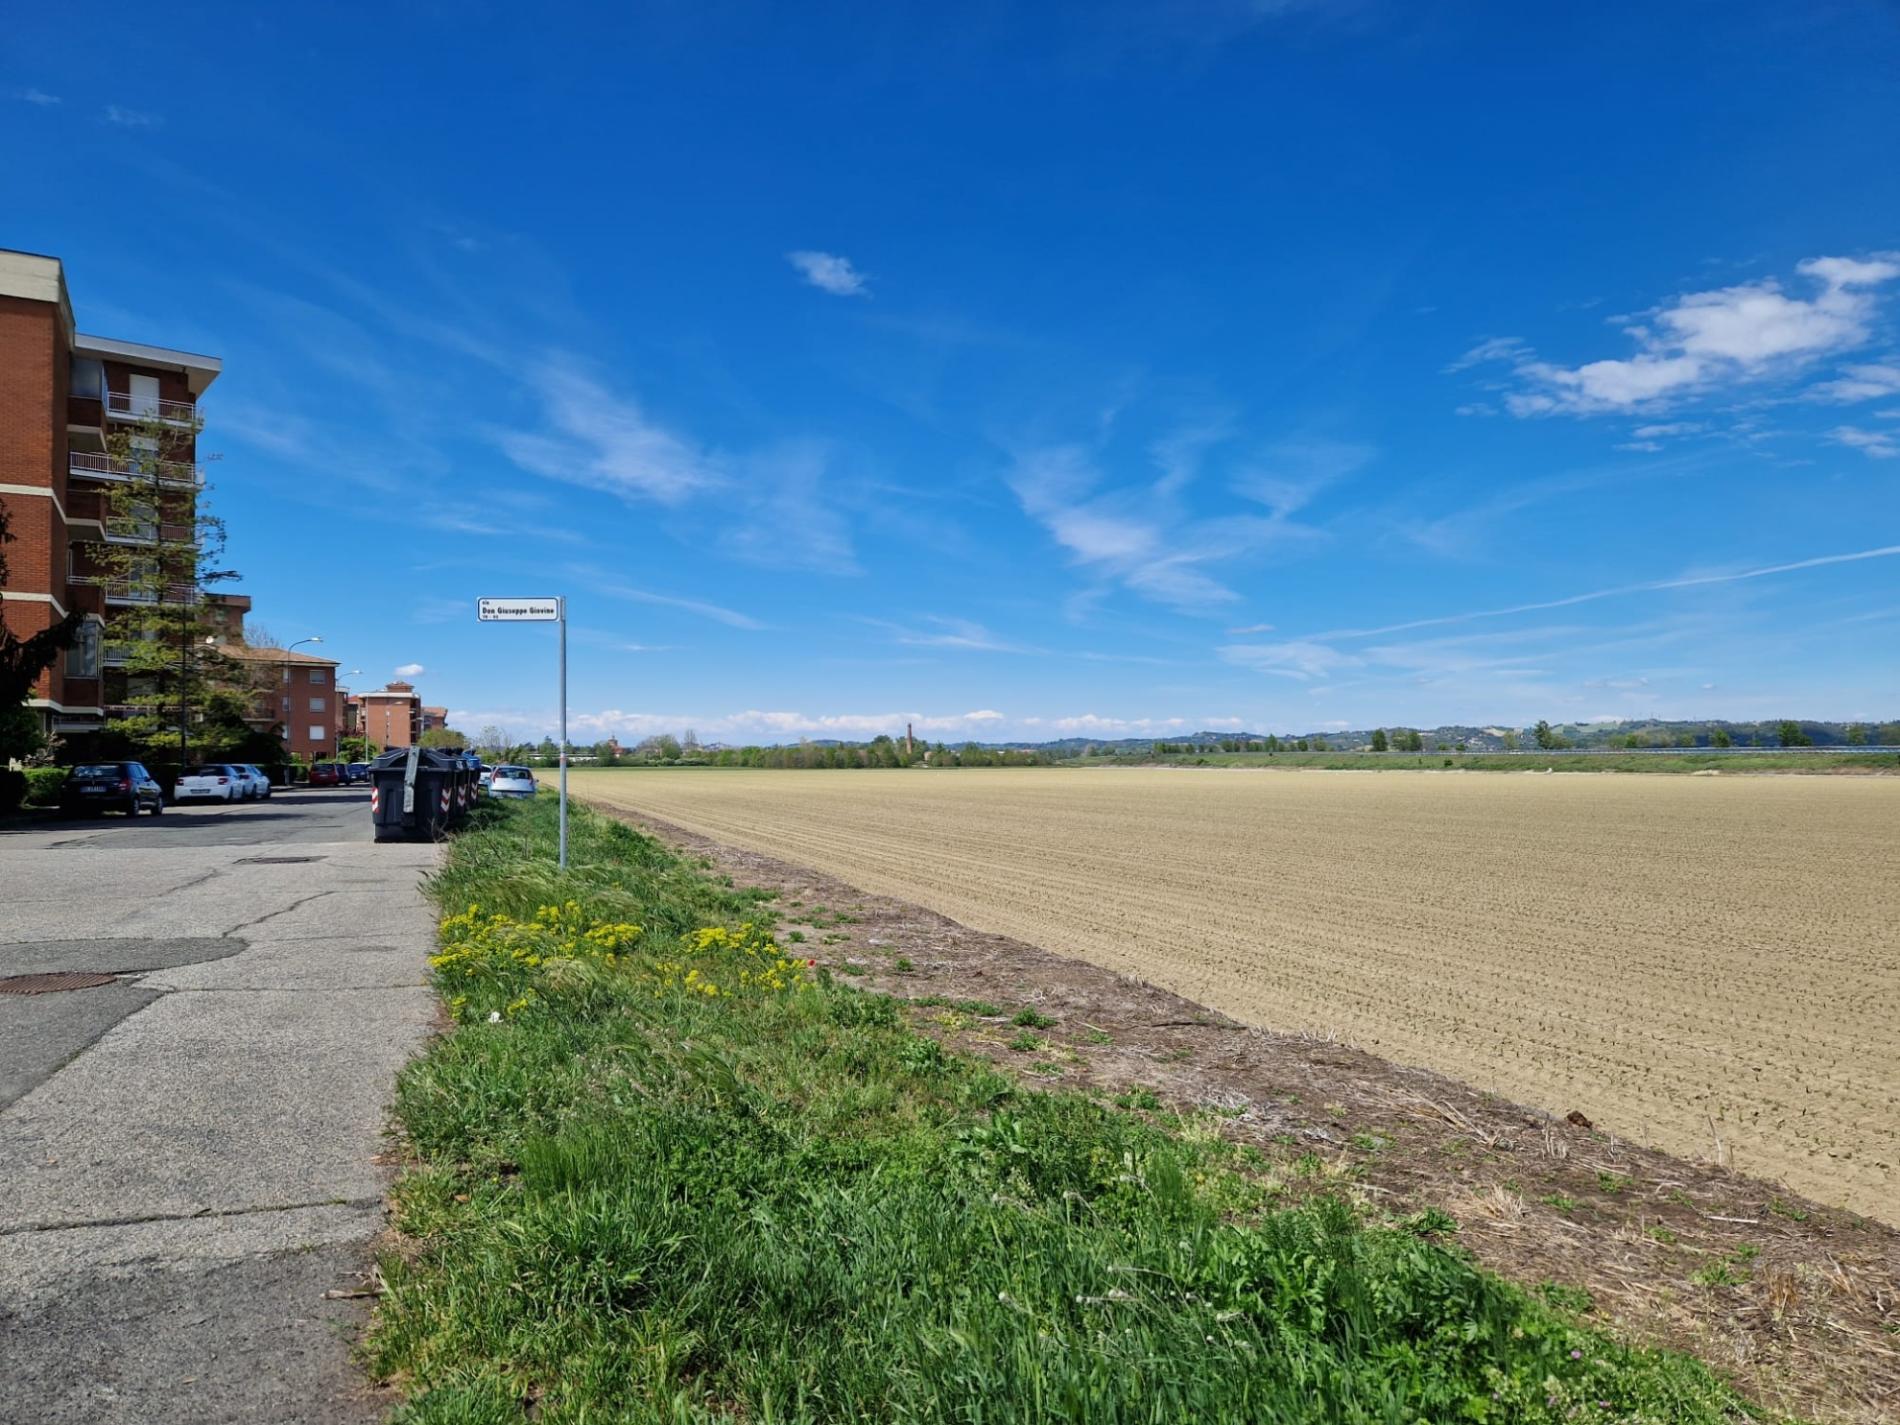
418, 793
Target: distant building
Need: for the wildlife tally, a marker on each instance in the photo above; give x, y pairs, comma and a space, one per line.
295, 697
391, 716
434, 719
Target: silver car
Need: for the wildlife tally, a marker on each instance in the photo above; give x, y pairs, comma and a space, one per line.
511, 782
257, 785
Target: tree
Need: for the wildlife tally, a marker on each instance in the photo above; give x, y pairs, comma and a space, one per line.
492, 742
1720, 738
1789, 734
1856, 736
165, 551
1378, 739
1411, 740
446, 739
668, 747
1510, 741
22, 661
1546, 738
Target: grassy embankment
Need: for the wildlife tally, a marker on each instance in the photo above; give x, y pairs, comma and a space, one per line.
1519, 761
661, 1173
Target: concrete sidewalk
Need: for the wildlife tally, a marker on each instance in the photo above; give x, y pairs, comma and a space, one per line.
188, 1156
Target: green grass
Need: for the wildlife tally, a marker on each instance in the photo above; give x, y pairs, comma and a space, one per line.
631, 1201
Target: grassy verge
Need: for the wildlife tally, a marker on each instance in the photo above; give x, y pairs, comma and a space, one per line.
663, 1172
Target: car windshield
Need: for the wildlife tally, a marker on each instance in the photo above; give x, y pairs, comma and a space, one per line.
97, 769
516, 773
209, 772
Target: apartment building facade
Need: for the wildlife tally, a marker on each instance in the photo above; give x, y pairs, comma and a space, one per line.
62, 395
390, 716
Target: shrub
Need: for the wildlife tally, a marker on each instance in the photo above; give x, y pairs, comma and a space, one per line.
43, 785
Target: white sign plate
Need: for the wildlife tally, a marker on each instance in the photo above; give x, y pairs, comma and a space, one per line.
519, 610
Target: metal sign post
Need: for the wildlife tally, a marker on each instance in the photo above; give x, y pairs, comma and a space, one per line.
539, 611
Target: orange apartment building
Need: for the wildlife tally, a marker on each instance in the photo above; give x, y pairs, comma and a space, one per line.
60, 394
390, 716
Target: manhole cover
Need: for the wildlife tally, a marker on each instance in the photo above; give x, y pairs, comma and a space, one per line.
47, 984
274, 860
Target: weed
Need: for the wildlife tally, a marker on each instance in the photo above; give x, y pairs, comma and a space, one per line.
1029, 1017
1663, 1235
1092, 1035
1026, 1043
1559, 1201
1781, 1207
1613, 1182
1138, 1098
1566, 1298
795, 936
904, 965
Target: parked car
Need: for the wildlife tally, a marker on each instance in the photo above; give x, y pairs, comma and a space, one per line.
487, 776
511, 782
355, 773
257, 785
213, 782
326, 774
96, 787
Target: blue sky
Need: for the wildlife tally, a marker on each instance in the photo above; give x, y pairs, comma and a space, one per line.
1020, 370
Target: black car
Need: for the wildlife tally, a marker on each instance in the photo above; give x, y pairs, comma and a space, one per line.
355, 773
96, 787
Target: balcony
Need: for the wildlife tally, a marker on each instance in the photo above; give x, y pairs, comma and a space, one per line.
129, 406
134, 595
171, 474
124, 531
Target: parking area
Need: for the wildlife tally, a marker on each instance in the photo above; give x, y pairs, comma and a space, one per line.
189, 1135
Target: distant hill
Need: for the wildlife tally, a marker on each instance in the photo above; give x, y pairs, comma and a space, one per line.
1647, 732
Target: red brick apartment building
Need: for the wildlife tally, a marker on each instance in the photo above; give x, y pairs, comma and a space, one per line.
294, 694
391, 716
60, 393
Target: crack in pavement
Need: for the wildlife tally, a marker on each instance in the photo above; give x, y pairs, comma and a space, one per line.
206, 1213
283, 910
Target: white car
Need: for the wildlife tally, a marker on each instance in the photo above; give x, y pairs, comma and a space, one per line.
213, 782
256, 784
511, 782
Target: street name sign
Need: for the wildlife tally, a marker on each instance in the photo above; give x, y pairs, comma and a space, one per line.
518, 610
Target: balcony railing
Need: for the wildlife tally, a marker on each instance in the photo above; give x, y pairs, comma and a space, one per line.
146, 532
136, 594
130, 406
172, 474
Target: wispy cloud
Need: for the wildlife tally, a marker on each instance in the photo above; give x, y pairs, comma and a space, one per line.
610, 587
125, 118
1247, 628
1874, 444
1687, 581
1130, 538
410, 670
940, 631
829, 272
604, 441
1701, 342
30, 95
1869, 381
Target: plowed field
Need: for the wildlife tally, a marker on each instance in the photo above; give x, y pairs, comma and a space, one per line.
1700, 964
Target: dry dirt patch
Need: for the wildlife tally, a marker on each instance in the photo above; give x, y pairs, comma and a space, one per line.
1709, 965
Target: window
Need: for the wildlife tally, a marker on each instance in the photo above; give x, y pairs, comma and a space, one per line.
88, 378
144, 395
82, 659
319, 733
318, 705
319, 675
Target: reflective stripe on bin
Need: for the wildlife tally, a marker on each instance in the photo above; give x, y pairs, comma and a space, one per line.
375, 800
445, 799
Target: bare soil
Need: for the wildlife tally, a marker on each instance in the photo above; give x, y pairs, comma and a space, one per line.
1798, 1302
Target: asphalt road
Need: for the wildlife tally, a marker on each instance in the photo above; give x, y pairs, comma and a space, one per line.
188, 1154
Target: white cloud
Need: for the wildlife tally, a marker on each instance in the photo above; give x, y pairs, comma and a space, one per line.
1248, 628
36, 96
1659, 432
605, 442
941, 632
1702, 341
1874, 444
1145, 544
128, 118
410, 670
830, 273
1867, 382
